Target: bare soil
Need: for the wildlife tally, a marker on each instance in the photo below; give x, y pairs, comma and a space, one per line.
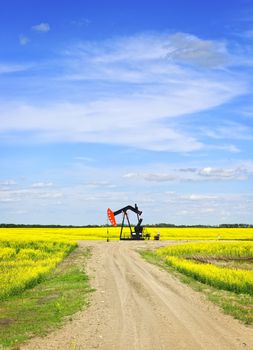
138, 306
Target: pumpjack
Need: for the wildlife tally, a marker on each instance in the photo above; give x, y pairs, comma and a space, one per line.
137, 233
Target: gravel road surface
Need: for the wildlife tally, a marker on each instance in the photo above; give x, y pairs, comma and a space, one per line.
138, 306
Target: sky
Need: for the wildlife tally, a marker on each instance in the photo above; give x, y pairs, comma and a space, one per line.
111, 103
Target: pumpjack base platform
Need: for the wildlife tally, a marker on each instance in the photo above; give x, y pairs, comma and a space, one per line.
132, 239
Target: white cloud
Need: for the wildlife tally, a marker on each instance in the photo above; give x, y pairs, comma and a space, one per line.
41, 27
84, 159
6, 68
49, 195
7, 182
42, 184
83, 22
145, 95
147, 58
247, 34
220, 173
99, 122
23, 40
155, 177
97, 188
229, 130
228, 148
191, 49
31, 194
137, 121
100, 184
154, 46
209, 208
199, 197
240, 173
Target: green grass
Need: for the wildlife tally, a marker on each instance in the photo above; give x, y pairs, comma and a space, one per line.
46, 306
240, 306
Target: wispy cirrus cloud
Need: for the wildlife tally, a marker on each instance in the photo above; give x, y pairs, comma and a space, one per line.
96, 188
221, 173
8, 68
151, 57
229, 130
83, 22
100, 184
42, 27
147, 86
240, 173
9, 182
42, 184
193, 50
23, 40
199, 197
153, 177
22, 194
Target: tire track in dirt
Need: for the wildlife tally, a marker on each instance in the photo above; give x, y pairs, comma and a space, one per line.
138, 306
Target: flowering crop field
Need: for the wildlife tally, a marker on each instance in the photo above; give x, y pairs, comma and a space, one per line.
230, 250
101, 233
25, 261
202, 261
202, 233
29, 254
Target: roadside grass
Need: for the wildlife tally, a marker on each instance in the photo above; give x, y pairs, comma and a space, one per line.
240, 306
37, 311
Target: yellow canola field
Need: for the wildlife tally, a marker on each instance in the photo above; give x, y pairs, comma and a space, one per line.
202, 233
101, 233
238, 280
27, 255
25, 262
210, 249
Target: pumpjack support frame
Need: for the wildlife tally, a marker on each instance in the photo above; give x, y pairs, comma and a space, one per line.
137, 233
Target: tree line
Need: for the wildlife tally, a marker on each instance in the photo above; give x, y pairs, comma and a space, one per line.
162, 224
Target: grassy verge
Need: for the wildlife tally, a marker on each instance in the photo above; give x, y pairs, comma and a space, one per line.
38, 310
240, 306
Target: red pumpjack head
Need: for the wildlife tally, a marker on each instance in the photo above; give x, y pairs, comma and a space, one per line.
111, 217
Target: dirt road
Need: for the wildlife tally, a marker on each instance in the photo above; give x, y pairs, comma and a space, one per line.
139, 306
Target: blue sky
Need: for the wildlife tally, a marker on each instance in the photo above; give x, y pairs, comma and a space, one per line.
108, 103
